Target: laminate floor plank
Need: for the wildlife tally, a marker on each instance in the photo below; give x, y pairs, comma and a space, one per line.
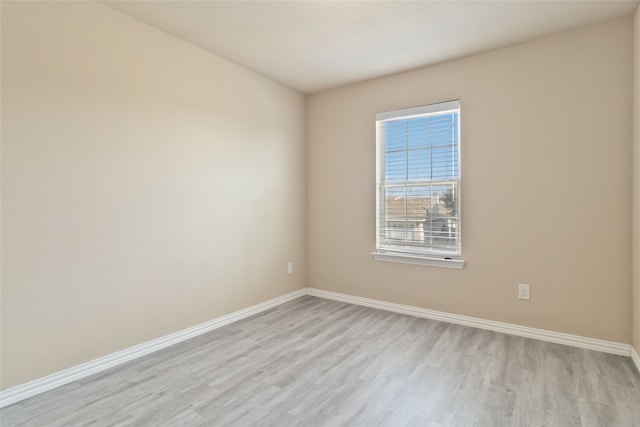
315, 362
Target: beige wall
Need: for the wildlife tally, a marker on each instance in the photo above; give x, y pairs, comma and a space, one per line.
546, 185
636, 183
147, 186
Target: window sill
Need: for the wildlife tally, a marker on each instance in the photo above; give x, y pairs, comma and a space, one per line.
419, 260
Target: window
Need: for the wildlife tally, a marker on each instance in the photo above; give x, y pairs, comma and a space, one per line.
418, 185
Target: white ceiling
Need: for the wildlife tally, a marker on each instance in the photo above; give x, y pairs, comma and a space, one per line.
315, 45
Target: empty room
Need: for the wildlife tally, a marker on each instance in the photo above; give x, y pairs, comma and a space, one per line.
320, 213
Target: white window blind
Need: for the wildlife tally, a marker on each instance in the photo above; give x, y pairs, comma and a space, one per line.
418, 182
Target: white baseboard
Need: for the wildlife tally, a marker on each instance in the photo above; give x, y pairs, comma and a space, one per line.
57, 379
507, 328
636, 358
75, 373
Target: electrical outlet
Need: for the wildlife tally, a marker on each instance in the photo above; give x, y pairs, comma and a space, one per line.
290, 268
523, 291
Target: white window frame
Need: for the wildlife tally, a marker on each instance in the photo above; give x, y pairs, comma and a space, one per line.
387, 252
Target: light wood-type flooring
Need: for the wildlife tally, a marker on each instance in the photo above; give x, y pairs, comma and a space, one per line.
315, 362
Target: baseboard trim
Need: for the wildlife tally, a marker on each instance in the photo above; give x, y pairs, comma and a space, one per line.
635, 357
491, 325
57, 379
